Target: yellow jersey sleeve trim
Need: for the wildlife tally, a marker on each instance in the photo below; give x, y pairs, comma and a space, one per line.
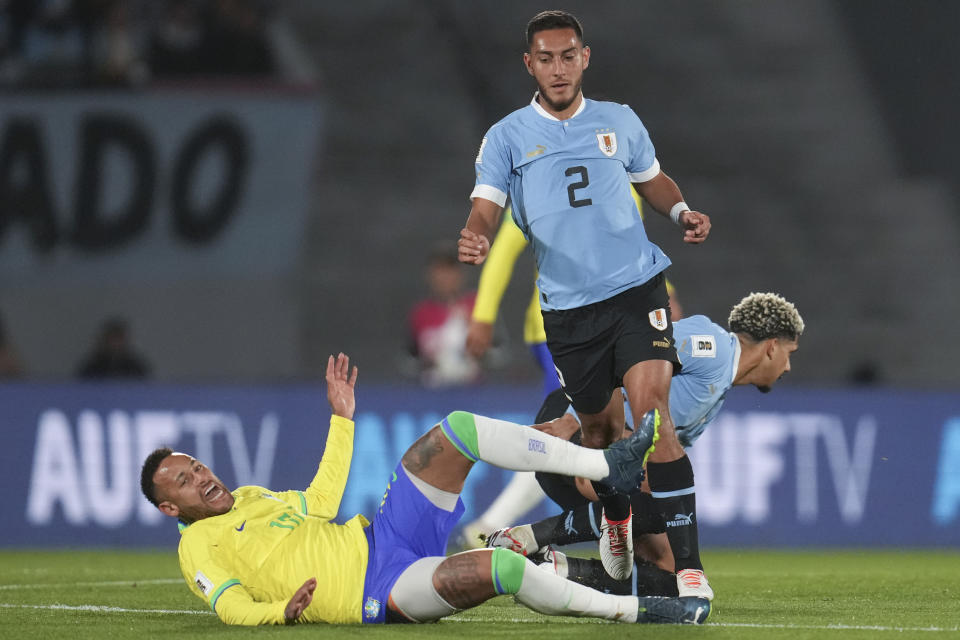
303, 502
219, 592
236, 607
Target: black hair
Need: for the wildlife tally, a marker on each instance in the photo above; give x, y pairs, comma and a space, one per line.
553, 19
150, 465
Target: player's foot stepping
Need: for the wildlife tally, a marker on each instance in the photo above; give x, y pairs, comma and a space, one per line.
692, 582
616, 546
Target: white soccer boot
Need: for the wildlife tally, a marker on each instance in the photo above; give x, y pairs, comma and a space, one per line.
616, 546
693, 582
519, 539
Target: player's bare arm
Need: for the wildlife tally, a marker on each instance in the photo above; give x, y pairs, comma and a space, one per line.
662, 193
474, 243
340, 384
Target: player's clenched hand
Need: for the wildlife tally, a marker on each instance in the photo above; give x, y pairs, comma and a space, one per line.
479, 338
472, 247
696, 226
300, 600
340, 383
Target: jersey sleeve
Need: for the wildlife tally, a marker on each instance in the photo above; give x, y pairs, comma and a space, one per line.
493, 168
642, 163
497, 269
219, 588
322, 497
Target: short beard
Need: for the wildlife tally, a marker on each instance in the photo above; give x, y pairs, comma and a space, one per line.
557, 107
765, 388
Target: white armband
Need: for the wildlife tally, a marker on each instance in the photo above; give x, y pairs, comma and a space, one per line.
676, 210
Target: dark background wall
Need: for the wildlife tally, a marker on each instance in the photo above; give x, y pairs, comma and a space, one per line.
817, 135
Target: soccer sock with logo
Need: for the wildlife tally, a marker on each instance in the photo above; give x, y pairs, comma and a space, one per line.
674, 493
570, 527
519, 448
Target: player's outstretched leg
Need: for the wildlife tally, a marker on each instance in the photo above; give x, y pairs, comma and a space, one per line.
520, 448
433, 588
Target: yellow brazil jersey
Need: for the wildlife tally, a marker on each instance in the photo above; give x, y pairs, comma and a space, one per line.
247, 563
497, 269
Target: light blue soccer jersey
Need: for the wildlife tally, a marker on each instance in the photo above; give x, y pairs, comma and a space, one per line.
710, 356
569, 186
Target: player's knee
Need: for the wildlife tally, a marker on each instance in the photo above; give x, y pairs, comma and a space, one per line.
460, 429
506, 568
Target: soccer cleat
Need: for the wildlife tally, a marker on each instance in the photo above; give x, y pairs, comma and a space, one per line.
551, 561
692, 582
664, 610
616, 546
627, 458
519, 539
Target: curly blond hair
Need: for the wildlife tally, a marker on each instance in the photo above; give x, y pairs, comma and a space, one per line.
766, 315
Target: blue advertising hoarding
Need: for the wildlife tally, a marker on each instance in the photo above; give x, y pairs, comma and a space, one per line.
792, 468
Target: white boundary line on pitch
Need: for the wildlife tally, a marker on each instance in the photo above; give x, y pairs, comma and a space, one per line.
101, 609
103, 583
757, 625
816, 627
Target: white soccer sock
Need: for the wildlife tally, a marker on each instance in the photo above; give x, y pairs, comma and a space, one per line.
520, 448
552, 595
521, 494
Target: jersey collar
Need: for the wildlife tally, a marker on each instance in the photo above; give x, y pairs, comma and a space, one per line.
543, 112
736, 358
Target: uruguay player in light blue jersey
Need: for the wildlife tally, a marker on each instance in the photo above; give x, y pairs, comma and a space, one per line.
567, 165
764, 332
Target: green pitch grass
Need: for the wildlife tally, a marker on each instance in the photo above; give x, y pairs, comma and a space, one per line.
850, 595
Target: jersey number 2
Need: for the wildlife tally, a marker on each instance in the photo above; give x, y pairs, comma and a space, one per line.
573, 186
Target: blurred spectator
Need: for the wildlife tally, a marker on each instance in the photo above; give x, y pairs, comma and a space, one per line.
10, 366
178, 41
113, 355
117, 45
238, 38
438, 325
64, 43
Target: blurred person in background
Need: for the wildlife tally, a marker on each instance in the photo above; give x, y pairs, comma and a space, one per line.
113, 355
438, 325
10, 366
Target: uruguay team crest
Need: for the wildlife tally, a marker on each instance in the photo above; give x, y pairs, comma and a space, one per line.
658, 319
607, 143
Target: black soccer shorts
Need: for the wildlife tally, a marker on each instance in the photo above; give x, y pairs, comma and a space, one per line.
594, 346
